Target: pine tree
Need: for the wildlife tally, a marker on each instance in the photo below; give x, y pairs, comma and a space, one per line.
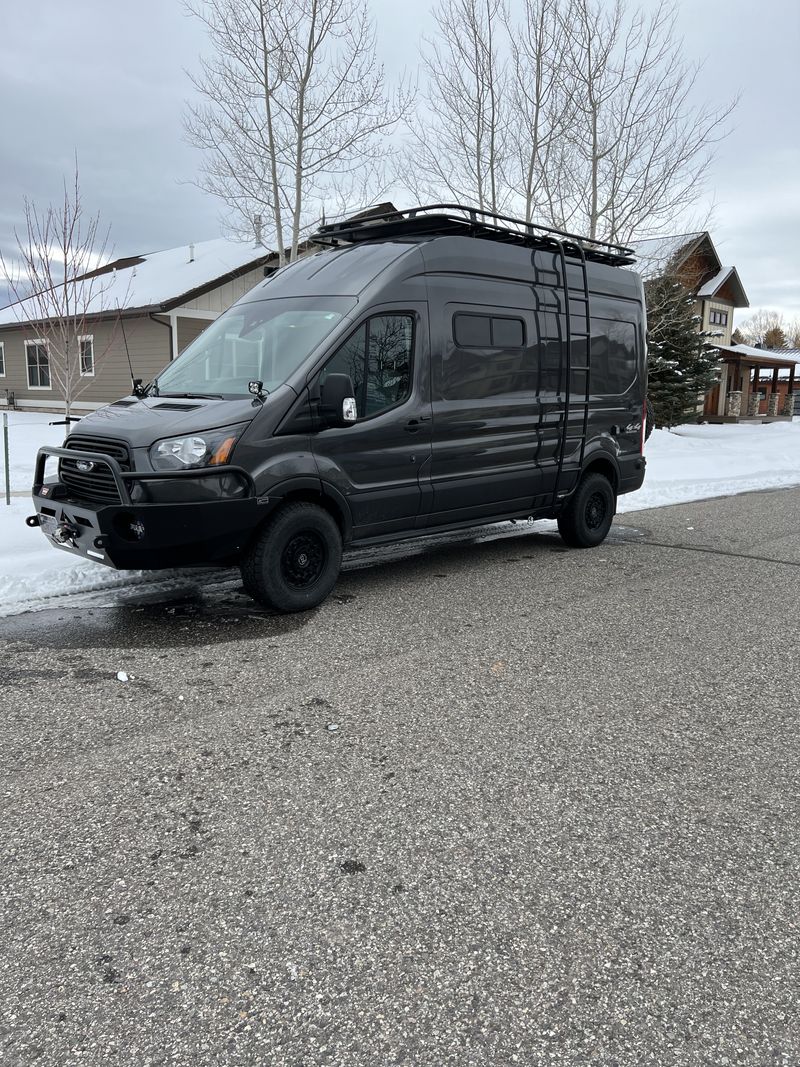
681, 366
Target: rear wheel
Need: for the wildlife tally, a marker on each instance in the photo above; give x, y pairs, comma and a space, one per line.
294, 562
651, 418
587, 516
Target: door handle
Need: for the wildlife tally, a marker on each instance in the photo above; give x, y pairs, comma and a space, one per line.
413, 425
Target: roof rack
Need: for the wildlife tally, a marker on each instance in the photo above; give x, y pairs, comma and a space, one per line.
440, 220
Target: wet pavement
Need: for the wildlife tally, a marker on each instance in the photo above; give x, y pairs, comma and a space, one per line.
495, 802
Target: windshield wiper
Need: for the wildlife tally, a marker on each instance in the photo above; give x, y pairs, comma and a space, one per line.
194, 396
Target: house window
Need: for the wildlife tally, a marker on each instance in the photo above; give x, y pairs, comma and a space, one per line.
86, 351
38, 361
2, 359
718, 318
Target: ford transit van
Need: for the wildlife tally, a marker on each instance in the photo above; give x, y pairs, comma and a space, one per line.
425, 370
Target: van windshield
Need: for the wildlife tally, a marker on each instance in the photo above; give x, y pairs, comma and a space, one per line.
264, 341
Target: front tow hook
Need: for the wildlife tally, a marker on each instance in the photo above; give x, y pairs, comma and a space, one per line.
65, 533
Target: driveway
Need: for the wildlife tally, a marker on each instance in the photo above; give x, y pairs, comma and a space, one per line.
494, 803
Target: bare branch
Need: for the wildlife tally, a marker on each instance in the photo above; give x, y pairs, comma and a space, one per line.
293, 110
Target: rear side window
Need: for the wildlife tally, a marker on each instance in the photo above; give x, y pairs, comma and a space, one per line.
488, 331
613, 358
378, 359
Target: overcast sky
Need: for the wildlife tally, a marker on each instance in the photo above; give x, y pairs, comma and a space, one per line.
108, 80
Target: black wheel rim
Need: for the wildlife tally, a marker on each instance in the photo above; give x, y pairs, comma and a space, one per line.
303, 560
596, 511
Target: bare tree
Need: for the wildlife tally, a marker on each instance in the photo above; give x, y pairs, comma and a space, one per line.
59, 288
765, 328
293, 106
579, 113
458, 139
540, 109
640, 147
793, 332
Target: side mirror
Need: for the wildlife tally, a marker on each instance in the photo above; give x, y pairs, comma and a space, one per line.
337, 400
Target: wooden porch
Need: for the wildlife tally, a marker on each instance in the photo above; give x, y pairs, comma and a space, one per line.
751, 387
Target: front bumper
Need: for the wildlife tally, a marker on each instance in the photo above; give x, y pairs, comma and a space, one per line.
136, 534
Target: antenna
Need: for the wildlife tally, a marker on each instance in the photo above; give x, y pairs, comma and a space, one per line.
135, 382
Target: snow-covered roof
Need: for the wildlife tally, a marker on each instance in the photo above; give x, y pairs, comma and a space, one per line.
155, 280
711, 287
655, 254
783, 357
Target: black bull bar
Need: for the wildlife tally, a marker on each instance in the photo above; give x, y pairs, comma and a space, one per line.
146, 535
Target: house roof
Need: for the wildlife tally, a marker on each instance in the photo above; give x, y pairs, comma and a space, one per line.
662, 255
155, 281
655, 255
768, 357
726, 277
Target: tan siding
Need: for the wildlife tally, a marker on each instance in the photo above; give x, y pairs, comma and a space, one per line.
221, 298
704, 308
188, 329
148, 343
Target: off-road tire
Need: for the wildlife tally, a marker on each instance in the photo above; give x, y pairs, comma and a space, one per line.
650, 423
587, 516
294, 561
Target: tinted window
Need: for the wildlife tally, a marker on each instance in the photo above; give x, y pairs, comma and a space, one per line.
378, 359
507, 333
472, 331
484, 331
613, 356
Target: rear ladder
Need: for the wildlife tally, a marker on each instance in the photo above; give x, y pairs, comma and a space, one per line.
575, 420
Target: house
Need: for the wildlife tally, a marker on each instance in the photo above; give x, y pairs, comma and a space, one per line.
755, 385
165, 299
693, 261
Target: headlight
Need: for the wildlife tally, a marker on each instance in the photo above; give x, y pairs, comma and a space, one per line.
195, 450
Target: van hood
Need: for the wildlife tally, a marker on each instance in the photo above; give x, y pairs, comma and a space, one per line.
141, 422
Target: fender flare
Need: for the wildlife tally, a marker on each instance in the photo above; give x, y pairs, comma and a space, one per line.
307, 487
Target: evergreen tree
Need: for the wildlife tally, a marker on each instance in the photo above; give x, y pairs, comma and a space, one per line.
681, 366
775, 338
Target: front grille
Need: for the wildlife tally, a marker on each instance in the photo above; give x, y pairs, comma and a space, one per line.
97, 484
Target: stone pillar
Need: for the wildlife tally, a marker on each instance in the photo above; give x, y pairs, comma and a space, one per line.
734, 403
772, 403
788, 404
753, 404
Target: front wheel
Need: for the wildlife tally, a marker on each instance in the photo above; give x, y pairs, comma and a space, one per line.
586, 518
294, 561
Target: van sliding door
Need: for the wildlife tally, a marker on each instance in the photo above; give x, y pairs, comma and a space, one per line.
485, 413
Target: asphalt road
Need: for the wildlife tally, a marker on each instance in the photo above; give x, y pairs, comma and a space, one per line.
494, 803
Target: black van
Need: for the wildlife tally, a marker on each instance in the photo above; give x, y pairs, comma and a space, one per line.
428, 369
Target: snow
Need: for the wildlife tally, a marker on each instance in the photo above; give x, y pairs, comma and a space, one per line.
710, 287
691, 463
160, 278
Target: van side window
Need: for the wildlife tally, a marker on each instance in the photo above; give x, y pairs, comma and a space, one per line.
613, 357
488, 357
378, 359
485, 331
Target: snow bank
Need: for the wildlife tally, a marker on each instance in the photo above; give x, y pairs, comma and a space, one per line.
697, 462
690, 463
